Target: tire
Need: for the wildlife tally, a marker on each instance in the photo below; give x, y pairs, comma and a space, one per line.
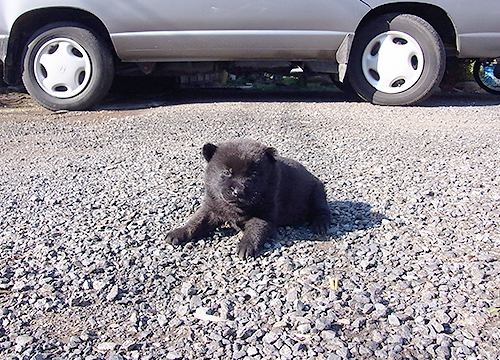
396, 59
487, 75
67, 67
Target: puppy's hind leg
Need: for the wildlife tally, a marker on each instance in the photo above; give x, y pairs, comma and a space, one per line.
320, 214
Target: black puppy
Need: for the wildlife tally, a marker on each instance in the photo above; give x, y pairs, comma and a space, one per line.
251, 188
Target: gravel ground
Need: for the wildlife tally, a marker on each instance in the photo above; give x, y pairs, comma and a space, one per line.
86, 198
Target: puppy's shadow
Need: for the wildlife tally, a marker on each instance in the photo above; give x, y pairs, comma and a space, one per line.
348, 217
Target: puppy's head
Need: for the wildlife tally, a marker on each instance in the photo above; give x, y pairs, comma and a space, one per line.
239, 172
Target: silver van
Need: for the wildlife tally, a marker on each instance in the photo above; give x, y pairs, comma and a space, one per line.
391, 52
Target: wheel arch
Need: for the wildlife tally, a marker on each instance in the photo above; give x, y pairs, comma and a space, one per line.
434, 15
30, 22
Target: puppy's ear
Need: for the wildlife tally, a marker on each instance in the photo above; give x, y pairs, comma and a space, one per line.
272, 154
209, 151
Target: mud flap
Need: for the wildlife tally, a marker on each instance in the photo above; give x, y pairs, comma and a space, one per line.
342, 55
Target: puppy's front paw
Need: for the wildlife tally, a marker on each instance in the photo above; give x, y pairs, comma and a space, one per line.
178, 236
246, 249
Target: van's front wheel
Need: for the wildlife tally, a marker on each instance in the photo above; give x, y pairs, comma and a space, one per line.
67, 67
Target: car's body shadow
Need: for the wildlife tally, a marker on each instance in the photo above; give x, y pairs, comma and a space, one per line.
129, 97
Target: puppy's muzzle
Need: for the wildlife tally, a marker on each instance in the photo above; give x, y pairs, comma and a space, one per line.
234, 194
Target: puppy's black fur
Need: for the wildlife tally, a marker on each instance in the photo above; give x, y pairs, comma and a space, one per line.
250, 187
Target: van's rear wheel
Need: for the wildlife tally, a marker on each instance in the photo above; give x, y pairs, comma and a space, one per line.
396, 59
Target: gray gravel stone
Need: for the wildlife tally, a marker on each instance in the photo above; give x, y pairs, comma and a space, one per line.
322, 324
286, 352
24, 340
469, 343
172, 355
107, 346
393, 320
270, 337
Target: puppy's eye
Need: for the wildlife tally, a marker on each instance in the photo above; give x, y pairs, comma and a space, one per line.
226, 173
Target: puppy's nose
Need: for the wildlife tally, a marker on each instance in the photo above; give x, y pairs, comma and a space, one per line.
237, 192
